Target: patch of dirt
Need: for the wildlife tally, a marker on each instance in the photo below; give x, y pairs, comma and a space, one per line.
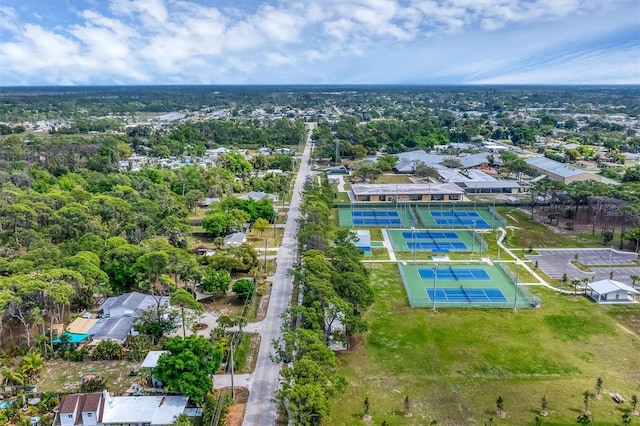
235, 414
264, 303
252, 354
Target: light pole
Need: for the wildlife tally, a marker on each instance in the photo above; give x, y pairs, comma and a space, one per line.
435, 279
515, 297
415, 248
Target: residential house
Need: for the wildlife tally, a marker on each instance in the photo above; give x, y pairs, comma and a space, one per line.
235, 239
102, 409
258, 195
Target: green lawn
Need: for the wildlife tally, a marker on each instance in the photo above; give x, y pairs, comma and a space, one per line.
453, 363
391, 178
534, 234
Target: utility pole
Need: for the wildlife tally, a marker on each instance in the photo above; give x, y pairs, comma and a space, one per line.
266, 238
233, 389
337, 151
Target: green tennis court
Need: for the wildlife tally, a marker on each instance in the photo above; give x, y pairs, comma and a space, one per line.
448, 216
434, 240
394, 216
463, 286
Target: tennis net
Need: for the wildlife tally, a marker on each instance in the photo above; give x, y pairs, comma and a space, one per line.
453, 273
465, 293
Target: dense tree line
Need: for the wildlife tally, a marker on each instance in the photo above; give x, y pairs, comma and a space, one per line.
336, 290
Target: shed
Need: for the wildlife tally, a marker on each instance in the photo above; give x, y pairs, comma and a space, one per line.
610, 291
151, 360
81, 325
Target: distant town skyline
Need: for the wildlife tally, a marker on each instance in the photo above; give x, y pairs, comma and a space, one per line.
148, 42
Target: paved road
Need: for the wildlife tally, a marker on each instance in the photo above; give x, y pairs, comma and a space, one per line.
263, 384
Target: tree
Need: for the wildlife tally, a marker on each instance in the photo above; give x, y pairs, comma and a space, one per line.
544, 404
584, 419
188, 366
598, 387
108, 350
366, 406
30, 365
634, 278
422, 170
96, 384
261, 225
407, 406
216, 223
500, 405
626, 419
185, 300
243, 288
216, 281
156, 321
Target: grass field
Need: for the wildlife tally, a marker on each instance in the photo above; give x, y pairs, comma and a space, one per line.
393, 178
454, 363
529, 233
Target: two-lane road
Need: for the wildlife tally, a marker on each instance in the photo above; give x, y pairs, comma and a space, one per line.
261, 408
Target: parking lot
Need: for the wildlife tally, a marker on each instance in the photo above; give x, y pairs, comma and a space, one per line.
557, 262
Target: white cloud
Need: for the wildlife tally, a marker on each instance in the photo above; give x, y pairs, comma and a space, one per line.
183, 41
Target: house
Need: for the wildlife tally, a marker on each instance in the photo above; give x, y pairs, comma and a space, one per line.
115, 328
257, 196
129, 303
406, 192
102, 409
473, 160
337, 170
264, 151
610, 291
235, 239
150, 362
560, 171
286, 151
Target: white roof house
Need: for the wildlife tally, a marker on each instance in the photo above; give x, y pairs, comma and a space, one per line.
610, 291
104, 409
235, 239
151, 360
258, 195
129, 303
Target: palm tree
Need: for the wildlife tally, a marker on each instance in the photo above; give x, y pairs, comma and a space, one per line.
634, 403
31, 365
634, 278
12, 377
598, 387
583, 419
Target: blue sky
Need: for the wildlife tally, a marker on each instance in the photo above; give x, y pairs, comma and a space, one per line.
82, 42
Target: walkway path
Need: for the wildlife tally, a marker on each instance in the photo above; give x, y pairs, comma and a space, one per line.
386, 242
263, 383
525, 265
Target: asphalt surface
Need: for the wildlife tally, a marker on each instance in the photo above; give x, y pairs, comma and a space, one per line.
261, 408
557, 262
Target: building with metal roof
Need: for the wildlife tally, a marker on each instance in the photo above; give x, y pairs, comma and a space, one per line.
560, 171
407, 192
610, 291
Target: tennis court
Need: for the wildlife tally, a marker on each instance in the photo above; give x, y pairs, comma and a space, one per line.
463, 286
376, 217
471, 295
457, 218
456, 273
438, 241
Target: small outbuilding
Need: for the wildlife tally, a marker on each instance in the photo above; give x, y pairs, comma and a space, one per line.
610, 291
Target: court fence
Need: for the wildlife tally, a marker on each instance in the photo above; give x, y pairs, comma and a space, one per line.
480, 241
532, 299
498, 216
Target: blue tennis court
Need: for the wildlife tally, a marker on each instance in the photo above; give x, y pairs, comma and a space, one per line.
372, 213
456, 274
375, 217
457, 221
430, 235
460, 213
433, 245
472, 295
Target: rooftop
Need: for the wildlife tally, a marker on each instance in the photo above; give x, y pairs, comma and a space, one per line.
406, 189
608, 286
151, 360
554, 167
